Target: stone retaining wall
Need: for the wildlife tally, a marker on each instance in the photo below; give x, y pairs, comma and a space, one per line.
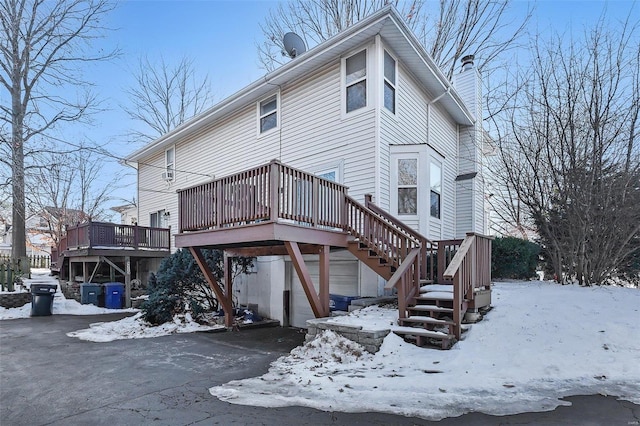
371, 340
14, 300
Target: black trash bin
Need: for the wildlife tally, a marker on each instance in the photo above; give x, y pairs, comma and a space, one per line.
42, 299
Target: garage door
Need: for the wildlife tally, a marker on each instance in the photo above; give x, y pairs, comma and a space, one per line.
343, 279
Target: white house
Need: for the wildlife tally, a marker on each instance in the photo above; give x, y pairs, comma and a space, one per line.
368, 109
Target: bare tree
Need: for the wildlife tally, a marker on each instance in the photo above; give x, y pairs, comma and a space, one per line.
43, 43
569, 151
70, 190
447, 29
166, 96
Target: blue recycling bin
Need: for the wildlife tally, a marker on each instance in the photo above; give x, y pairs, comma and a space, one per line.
113, 293
89, 293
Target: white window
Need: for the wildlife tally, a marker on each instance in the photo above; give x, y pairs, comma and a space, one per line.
169, 164
268, 113
435, 181
158, 219
356, 81
389, 82
407, 186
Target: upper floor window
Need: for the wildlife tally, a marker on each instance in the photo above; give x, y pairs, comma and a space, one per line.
169, 163
389, 82
268, 113
356, 81
435, 180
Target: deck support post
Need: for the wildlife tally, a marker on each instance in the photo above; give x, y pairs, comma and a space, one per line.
224, 300
127, 281
305, 279
228, 278
324, 278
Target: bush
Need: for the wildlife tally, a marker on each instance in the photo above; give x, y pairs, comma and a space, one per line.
514, 258
179, 285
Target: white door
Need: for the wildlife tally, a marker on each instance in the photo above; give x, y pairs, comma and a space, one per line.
343, 280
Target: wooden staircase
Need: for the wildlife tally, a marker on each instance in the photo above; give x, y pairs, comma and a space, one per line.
428, 313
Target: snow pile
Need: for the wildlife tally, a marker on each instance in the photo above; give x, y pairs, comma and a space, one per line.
541, 342
136, 328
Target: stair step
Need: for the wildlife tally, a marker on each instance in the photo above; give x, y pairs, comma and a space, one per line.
416, 331
425, 320
425, 282
436, 287
430, 308
435, 295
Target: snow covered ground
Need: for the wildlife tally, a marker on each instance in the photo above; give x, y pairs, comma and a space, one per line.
541, 342
127, 328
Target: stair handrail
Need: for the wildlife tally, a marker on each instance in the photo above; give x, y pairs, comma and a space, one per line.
406, 281
370, 224
461, 272
426, 263
393, 220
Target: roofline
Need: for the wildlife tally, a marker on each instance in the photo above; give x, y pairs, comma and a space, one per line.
236, 100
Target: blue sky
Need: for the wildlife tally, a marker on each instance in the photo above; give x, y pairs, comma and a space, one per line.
221, 37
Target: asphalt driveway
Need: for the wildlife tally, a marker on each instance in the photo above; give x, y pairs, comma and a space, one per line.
47, 378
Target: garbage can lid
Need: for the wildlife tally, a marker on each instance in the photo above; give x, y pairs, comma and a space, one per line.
43, 288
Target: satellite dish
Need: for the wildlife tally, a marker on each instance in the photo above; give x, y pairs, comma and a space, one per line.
293, 45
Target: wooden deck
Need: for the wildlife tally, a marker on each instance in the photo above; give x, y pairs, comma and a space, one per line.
88, 245
275, 209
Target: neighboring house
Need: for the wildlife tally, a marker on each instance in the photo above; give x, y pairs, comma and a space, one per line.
367, 109
128, 213
44, 228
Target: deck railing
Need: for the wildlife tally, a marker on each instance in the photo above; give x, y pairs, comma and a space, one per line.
469, 270
111, 235
270, 192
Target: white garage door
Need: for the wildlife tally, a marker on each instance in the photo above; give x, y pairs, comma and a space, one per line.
343, 280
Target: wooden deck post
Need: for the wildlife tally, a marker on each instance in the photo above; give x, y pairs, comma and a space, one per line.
324, 279
228, 278
305, 278
127, 281
208, 275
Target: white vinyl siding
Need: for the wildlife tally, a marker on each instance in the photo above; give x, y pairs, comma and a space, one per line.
343, 280
312, 133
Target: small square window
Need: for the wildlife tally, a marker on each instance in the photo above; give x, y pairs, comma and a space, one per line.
268, 113
407, 200
357, 96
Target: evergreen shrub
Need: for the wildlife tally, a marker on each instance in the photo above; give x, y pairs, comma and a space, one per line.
179, 286
514, 258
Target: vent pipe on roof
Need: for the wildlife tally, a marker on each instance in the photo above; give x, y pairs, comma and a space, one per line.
467, 62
